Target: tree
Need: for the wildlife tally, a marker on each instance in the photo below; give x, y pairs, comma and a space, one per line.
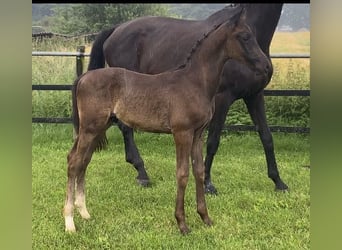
87, 18
40, 11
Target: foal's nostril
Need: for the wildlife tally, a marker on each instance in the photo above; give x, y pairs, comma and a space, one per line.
267, 69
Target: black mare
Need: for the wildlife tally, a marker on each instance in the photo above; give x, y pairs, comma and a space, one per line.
153, 45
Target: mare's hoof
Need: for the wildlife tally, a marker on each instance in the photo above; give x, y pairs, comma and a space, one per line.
143, 183
210, 189
281, 186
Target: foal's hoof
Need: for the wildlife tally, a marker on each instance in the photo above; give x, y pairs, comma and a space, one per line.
210, 189
69, 225
144, 183
208, 222
185, 230
70, 231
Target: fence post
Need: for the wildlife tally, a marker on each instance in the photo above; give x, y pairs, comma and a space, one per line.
80, 60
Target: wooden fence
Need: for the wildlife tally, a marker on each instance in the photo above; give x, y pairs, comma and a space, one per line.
80, 55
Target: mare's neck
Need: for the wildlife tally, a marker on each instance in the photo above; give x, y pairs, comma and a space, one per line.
263, 20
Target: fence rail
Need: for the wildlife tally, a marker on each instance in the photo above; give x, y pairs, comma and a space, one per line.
80, 54
77, 53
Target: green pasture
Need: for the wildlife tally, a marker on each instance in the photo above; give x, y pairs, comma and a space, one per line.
247, 213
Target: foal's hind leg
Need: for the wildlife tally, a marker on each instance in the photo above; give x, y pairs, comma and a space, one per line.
80, 202
256, 108
78, 160
132, 154
69, 206
198, 172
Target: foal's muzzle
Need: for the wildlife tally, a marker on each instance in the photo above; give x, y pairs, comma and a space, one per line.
264, 70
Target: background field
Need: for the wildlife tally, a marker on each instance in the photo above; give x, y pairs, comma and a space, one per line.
247, 213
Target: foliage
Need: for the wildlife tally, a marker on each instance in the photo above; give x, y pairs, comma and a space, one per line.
40, 11
284, 111
289, 74
194, 11
94, 17
87, 18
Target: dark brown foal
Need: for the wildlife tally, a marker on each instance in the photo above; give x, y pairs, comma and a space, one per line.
180, 102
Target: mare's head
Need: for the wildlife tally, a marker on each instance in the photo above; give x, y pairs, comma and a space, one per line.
242, 45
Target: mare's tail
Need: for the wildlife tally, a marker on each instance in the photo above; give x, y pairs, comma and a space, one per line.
101, 140
97, 59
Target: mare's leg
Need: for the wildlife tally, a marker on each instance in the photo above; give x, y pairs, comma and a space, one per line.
132, 154
256, 108
78, 160
198, 172
183, 141
222, 104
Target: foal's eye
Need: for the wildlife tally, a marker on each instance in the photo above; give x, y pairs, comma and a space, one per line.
245, 37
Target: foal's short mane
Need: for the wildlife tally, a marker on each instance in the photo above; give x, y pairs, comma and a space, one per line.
197, 44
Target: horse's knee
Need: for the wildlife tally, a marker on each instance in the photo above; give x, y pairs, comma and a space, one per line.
133, 159
182, 178
266, 138
199, 173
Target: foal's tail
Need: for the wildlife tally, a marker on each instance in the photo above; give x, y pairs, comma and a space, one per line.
101, 140
97, 59
75, 116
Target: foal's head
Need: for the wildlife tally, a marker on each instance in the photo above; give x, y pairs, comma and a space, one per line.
242, 46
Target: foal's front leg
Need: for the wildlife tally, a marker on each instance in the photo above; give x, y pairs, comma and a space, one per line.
183, 141
198, 172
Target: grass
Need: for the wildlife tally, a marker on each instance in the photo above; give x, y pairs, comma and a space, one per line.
247, 213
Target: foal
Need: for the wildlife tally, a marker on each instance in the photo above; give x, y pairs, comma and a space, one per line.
183, 107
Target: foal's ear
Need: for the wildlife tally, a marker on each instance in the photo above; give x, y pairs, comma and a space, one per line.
238, 17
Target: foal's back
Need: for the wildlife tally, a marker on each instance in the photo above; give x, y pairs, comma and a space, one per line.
152, 103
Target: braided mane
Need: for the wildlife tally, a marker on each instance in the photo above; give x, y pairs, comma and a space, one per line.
196, 45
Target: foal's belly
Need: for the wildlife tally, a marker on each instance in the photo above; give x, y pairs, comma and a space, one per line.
149, 119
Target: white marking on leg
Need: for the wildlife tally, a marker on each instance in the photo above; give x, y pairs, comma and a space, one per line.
81, 205
83, 211
69, 207
69, 224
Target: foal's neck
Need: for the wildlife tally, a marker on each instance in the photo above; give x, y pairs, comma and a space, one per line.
207, 61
